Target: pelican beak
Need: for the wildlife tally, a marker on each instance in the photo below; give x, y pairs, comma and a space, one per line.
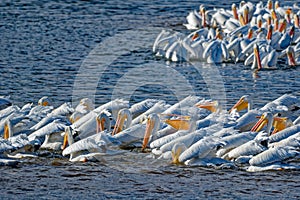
149, 129
242, 104
242, 20
211, 106
279, 124
269, 20
234, 12
296, 20
291, 58
275, 24
65, 143
203, 12
282, 26
250, 33
260, 124
292, 31
100, 125
179, 124
273, 14
119, 125
259, 23
246, 15
269, 34
195, 36
257, 56
6, 131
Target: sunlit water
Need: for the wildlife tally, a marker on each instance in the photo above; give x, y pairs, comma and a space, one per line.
45, 48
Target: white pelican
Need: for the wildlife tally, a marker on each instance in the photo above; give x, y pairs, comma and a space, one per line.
50, 134
139, 132
164, 41
196, 21
112, 107
44, 101
284, 133
91, 148
99, 123
286, 105
205, 147
187, 140
292, 60
216, 51
273, 155
124, 117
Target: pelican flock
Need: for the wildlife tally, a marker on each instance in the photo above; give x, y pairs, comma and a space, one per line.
257, 35
192, 132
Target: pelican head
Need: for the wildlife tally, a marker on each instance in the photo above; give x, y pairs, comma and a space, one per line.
103, 122
124, 115
270, 4
7, 130
257, 60
267, 118
152, 125
177, 149
234, 11
212, 106
44, 101
243, 103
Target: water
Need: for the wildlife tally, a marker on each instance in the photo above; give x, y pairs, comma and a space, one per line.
54, 49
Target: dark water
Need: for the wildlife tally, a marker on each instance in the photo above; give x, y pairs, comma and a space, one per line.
68, 50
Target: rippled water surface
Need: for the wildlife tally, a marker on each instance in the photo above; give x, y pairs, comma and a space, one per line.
72, 49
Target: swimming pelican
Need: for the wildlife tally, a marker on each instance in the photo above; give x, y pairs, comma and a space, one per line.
286, 105
216, 51
44, 101
273, 155
91, 148
50, 134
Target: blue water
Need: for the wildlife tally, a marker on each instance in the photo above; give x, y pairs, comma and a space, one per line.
54, 49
